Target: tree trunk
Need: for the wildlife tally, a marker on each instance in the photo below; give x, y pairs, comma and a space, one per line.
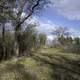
3, 41
17, 35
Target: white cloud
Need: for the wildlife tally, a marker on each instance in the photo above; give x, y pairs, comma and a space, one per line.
47, 26
50, 37
68, 8
74, 32
43, 25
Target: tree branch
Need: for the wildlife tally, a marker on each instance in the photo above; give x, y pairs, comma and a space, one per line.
31, 11
5, 7
21, 10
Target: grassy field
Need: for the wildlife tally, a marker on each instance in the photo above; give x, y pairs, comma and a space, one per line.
46, 64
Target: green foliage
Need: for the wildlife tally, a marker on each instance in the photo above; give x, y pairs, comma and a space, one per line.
77, 41
7, 46
65, 40
12, 11
42, 39
74, 46
62, 40
27, 40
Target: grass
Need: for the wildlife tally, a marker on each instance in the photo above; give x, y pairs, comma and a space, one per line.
46, 64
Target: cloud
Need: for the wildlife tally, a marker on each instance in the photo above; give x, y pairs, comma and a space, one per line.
68, 8
50, 37
74, 32
43, 25
46, 26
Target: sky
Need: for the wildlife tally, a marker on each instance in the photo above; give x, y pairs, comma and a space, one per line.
65, 13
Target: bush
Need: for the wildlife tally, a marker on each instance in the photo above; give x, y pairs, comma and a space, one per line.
7, 47
72, 48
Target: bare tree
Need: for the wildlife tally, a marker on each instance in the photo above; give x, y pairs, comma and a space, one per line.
61, 31
18, 11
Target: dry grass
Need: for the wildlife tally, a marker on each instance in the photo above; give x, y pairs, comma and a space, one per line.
46, 64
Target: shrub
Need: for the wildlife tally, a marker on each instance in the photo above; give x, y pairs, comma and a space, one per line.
72, 48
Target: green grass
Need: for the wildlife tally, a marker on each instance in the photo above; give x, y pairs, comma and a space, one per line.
46, 64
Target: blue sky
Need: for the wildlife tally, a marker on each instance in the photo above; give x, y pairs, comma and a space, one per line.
65, 13
52, 15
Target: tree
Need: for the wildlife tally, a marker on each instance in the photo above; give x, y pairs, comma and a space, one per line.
61, 31
62, 34
76, 45
62, 40
13, 10
69, 40
3, 20
42, 39
27, 40
77, 41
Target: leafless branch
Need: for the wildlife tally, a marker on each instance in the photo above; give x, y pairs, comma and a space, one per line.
31, 11
4, 7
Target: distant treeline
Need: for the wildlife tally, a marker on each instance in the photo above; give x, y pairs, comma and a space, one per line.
66, 41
